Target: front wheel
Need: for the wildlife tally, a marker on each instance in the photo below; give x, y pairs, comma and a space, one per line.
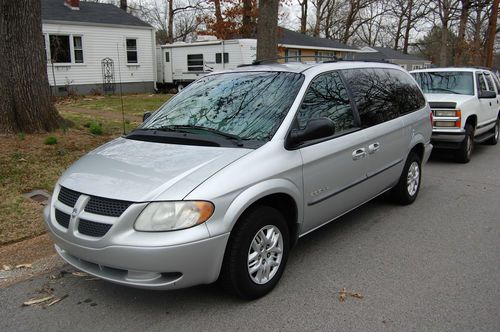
494, 139
464, 153
256, 253
406, 191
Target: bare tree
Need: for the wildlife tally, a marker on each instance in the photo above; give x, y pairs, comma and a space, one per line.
492, 31
446, 11
267, 41
303, 15
25, 103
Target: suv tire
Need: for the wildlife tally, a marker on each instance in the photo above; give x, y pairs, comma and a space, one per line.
464, 153
249, 248
406, 191
494, 139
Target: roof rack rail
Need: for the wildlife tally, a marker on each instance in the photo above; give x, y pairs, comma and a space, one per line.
272, 60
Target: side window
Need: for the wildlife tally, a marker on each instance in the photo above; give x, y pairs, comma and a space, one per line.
481, 83
195, 62
489, 79
327, 97
383, 94
497, 82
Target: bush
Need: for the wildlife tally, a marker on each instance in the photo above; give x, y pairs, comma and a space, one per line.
96, 128
51, 140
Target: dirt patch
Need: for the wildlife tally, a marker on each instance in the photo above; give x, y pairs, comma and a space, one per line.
27, 251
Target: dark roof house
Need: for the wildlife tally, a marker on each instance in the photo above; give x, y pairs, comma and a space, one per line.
407, 61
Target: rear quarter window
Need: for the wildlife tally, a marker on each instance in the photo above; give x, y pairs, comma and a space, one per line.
382, 94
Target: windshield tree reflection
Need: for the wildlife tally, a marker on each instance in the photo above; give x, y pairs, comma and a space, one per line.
250, 105
445, 82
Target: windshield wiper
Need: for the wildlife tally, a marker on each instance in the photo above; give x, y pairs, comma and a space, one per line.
446, 90
185, 129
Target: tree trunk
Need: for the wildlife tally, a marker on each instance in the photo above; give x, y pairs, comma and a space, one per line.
267, 40
492, 27
123, 5
25, 103
303, 16
464, 15
218, 12
443, 52
317, 25
406, 38
170, 28
398, 32
246, 21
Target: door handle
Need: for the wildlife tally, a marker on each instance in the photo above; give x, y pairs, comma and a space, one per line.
358, 154
372, 148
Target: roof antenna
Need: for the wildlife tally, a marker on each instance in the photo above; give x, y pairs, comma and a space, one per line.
121, 90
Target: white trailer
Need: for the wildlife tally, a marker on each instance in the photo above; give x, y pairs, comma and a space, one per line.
179, 64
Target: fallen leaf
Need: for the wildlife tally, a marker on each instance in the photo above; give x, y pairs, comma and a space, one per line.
92, 279
342, 295
80, 274
37, 301
356, 295
59, 299
23, 266
7, 267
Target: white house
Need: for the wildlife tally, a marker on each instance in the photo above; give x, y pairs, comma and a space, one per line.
407, 61
95, 47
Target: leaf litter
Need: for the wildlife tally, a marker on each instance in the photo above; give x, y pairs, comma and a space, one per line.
343, 293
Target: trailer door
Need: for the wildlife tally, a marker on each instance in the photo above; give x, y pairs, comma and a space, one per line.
167, 65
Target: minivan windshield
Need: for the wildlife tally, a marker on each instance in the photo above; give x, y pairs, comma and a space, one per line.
238, 105
447, 82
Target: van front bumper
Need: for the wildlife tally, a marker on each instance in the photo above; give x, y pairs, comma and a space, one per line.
152, 260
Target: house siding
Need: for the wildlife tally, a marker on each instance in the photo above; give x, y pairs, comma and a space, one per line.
99, 43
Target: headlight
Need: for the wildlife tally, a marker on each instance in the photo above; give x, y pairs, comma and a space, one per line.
169, 216
453, 113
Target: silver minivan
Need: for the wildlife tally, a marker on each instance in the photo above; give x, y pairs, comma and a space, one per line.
223, 179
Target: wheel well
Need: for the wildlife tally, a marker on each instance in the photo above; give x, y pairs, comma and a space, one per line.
472, 120
286, 205
419, 150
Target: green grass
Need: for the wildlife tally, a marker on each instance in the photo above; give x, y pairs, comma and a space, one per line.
132, 104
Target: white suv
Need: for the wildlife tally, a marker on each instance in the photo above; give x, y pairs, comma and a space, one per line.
465, 103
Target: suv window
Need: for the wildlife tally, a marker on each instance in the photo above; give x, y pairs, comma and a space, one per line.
446, 82
481, 82
489, 79
327, 97
383, 94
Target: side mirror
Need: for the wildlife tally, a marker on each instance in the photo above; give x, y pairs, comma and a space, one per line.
487, 94
315, 129
146, 116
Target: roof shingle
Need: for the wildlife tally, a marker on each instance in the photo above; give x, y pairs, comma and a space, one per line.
90, 12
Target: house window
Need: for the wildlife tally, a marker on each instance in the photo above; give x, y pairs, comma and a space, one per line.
195, 62
131, 50
218, 57
60, 50
292, 55
415, 67
325, 56
78, 49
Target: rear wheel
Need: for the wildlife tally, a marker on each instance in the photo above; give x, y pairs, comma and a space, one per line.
464, 153
256, 254
406, 191
494, 139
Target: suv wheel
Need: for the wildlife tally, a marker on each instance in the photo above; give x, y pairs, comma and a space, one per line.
465, 151
494, 139
256, 253
406, 191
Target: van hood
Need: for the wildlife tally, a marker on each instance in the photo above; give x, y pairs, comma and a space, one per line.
141, 171
448, 97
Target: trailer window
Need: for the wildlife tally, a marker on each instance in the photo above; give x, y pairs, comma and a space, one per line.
195, 62
218, 57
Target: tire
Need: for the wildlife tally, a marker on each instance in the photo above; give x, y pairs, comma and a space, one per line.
464, 153
494, 139
180, 87
244, 244
406, 191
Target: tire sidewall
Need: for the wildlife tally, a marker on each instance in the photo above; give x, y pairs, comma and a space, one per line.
253, 222
411, 159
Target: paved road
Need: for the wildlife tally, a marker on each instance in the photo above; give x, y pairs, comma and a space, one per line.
434, 265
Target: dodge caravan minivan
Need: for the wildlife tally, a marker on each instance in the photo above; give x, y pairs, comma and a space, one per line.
223, 179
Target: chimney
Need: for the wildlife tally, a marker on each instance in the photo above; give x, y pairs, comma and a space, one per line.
72, 4
123, 5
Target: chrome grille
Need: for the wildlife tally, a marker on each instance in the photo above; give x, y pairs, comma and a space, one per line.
68, 196
106, 206
92, 228
62, 218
